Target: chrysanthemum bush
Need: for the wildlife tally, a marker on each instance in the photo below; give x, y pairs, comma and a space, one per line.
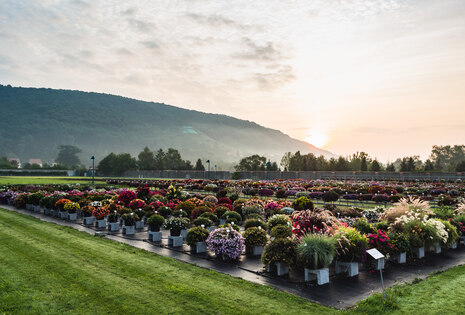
71, 207
226, 242
100, 213
308, 221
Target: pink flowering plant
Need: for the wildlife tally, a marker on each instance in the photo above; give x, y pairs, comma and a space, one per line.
381, 241
136, 204
126, 196
226, 242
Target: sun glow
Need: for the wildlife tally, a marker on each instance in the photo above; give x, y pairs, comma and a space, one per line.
317, 138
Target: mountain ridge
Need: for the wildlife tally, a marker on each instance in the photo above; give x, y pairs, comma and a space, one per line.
40, 119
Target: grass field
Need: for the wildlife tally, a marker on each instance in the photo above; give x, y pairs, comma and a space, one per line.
46, 180
47, 268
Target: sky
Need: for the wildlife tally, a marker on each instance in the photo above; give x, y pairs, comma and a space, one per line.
382, 76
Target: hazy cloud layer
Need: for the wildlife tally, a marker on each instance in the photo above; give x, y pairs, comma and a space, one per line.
357, 71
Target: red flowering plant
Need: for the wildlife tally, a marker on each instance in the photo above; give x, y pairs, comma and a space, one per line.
114, 207
144, 193
157, 204
125, 197
308, 221
224, 200
136, 204
172, 204
100, 213
381, 241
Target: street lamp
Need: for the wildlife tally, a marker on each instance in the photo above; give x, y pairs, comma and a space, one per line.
208, 162
93, 168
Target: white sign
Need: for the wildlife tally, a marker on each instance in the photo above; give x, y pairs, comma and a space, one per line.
375, 253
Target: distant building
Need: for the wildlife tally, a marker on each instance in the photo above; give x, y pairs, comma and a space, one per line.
35, 161
15, 161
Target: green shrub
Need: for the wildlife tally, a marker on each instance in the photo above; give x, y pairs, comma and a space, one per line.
112, 217
35, 198
210, 216
381, 225
255, 236
176, 223
232, 215
230, 226
443, 212
330, 196
206, 222
248, 210
129, 219
198, 211
351, 244
364, 226
303, 203
249, 223
180, 214
155, 222
196, 234
459, 223
280, 250
400, 242
278, 219
316, 251
255, 216
165, 211
452, 233
186, 206
220, 211
281, 231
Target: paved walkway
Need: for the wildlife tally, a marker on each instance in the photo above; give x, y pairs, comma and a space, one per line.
341, 292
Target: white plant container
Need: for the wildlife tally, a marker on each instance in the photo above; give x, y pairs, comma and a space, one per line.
200, 247
281, 268
419, 252
454, 245
350, 267
36, 208
321, 275
72, 216
113, 226
139, 225
128, 229
402, 258
175, 241
88, 220
154, 236
101, 223
437, 248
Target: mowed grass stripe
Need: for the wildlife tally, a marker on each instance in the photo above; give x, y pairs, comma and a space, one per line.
54, 269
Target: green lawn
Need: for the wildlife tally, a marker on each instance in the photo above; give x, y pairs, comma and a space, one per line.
47, 268
46, 180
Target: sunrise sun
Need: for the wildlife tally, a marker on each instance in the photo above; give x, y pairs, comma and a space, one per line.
317, 138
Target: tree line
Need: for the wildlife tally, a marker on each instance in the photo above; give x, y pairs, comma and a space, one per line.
117, 164
442, 159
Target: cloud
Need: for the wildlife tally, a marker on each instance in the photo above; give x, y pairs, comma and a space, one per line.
217, 20
141, 26
273, 80
256, 52
150, 44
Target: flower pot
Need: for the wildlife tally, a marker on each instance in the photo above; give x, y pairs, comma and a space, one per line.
88, 220
154, 236
200, 247
437, 248
72, 216
222, 221
419, 252
454, 245
175, 241
281, 268
254, 250
175, 232
63, 215
154, 229
210, 228
321, 275
128, 229
402, 258
350, 267
139, 225
101, 223
113, 226
28, 206
462, 238
184, 233
46, 211
10, 202
36, 208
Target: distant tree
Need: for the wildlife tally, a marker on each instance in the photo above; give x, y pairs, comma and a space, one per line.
375, 166
411, 164
107, 165
199, 166
342, 164
124, 162
160, 160
429, 165
4, 163
390, 167
251, 163
271, 166
146, 159
460, 166
67, 155
188, 165
364, 164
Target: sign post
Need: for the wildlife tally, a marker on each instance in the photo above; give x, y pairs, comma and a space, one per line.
377, 255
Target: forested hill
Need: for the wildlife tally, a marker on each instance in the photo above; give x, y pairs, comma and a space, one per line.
36, 121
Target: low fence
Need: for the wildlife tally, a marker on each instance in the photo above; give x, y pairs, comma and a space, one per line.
35, 172
374, 176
